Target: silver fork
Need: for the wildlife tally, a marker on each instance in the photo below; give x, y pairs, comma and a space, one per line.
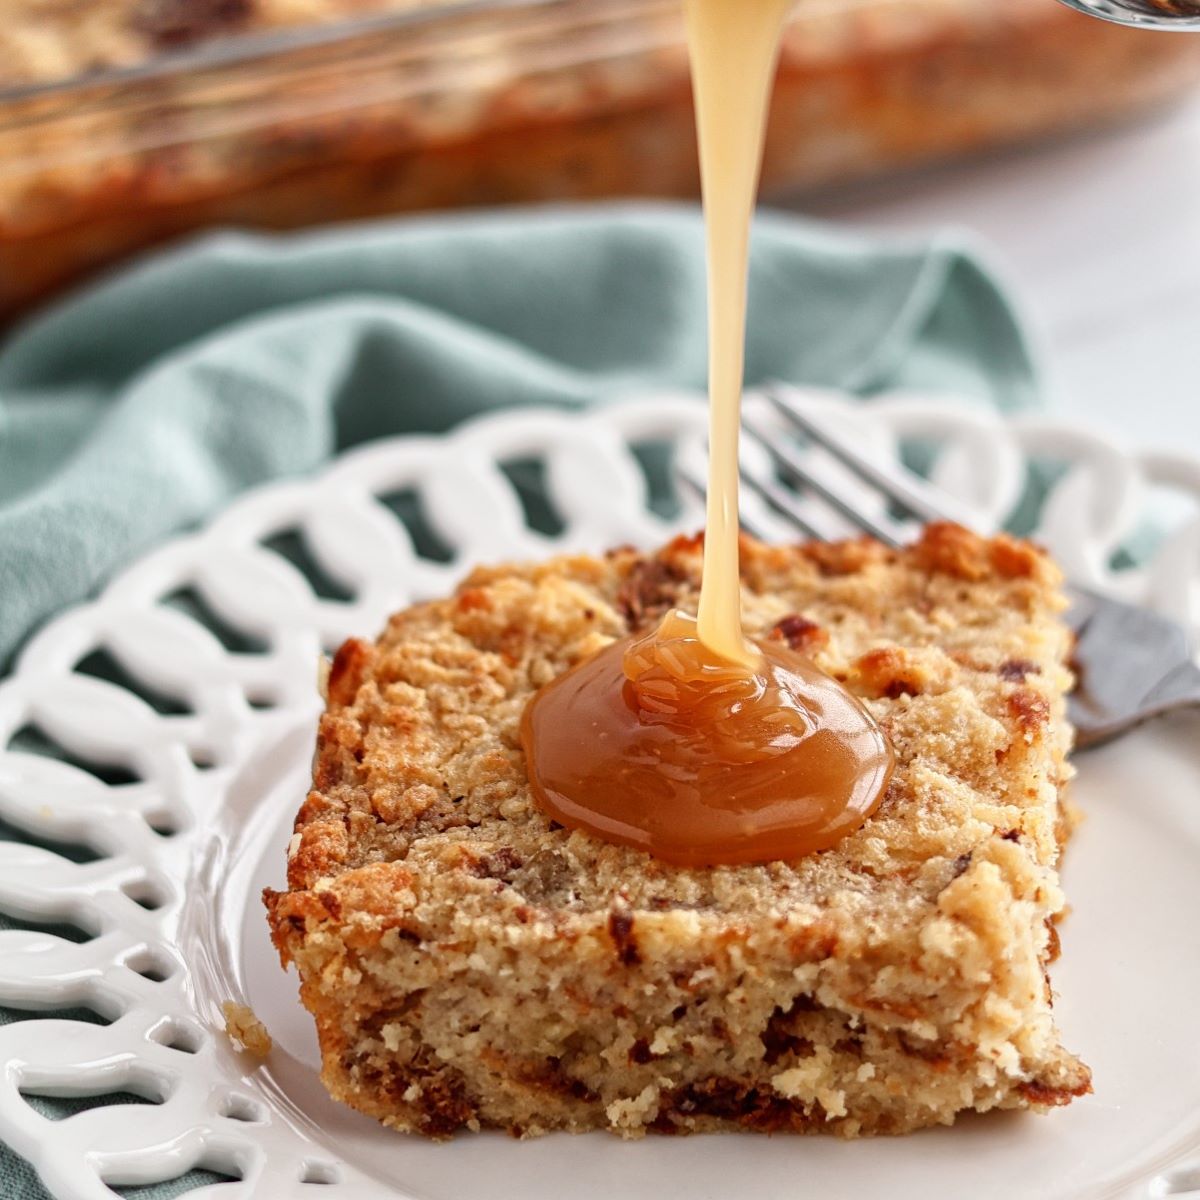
1131, 664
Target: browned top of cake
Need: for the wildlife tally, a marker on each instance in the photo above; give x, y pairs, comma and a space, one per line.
953, 643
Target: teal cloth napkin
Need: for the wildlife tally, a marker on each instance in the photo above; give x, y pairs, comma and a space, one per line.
144, 404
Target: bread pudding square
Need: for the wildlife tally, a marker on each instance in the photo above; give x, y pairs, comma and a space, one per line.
472, 964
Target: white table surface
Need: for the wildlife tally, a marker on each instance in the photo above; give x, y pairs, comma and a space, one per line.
1099, 237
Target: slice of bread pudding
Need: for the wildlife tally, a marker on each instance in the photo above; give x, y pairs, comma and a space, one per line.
471, 963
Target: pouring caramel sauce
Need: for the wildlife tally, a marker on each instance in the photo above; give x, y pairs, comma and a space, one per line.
692, 742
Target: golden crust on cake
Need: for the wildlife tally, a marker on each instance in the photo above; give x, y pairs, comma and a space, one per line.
471, 963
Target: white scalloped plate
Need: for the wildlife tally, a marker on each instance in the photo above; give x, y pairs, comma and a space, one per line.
183, 850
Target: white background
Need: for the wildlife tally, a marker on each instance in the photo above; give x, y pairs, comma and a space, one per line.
1099, 237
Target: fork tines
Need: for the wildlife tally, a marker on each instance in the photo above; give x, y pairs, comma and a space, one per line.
810, 491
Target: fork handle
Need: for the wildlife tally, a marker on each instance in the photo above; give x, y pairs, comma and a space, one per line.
1178, 689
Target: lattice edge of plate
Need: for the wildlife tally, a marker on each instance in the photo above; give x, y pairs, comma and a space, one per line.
222, 689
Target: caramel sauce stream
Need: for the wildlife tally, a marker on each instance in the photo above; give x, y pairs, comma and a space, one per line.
733, 46
691, 742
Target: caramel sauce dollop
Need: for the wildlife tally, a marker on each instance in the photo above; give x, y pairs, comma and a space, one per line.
659, 743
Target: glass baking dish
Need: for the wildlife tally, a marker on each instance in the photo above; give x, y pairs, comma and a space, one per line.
522, 100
